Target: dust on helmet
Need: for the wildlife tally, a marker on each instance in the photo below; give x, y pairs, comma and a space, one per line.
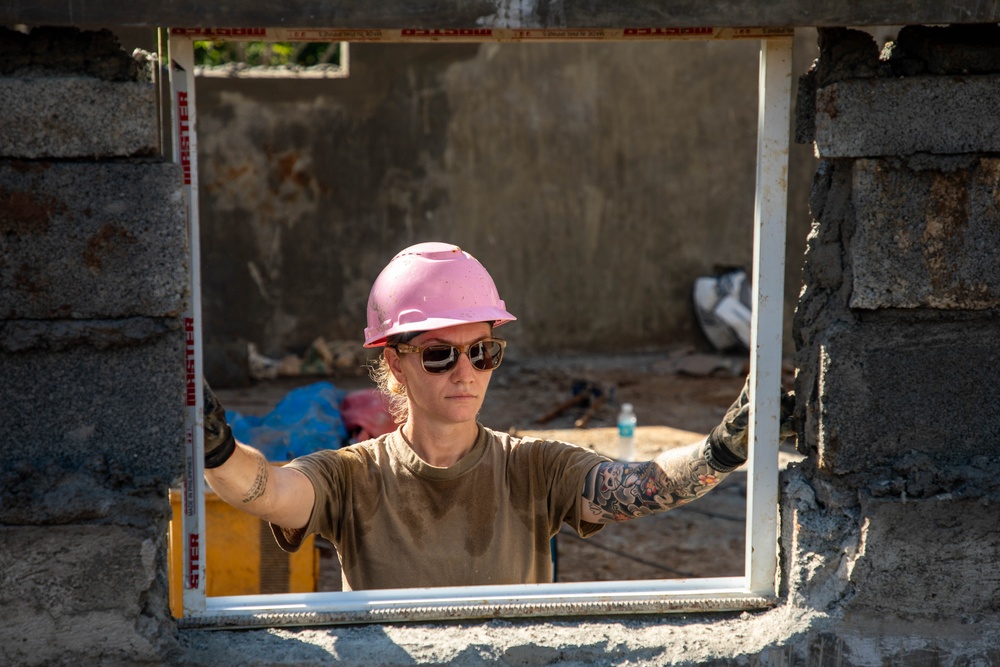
431, 286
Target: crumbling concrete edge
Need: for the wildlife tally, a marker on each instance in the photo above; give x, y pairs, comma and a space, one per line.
731, 638
787, 635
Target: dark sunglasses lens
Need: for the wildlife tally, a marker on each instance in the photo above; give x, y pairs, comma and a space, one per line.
486, 355
439, 358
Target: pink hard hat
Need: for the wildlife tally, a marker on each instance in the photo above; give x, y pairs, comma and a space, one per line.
431, 286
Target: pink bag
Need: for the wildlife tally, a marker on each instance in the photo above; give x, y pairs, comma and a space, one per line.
366, 415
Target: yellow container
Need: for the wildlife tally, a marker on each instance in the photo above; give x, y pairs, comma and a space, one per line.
242, 557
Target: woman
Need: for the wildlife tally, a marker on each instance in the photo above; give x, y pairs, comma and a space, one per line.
444, 501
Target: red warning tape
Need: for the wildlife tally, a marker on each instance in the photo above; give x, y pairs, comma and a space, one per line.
479, 34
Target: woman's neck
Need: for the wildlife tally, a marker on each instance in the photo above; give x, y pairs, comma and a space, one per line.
441, 445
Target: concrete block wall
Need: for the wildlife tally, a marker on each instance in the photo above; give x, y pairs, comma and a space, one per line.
93, 259
890, 526
888, 529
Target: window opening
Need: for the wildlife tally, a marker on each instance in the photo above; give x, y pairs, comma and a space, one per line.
755, 589
223, 58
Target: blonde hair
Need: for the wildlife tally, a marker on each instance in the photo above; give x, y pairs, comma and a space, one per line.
392, 389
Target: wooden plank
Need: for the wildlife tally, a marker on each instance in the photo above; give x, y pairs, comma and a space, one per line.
428, 14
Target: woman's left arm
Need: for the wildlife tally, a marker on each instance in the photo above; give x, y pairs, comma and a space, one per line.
622, 491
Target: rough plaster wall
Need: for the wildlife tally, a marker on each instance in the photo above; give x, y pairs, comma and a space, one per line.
595, 181
623, 171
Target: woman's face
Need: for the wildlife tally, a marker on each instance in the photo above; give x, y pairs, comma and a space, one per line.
452, 397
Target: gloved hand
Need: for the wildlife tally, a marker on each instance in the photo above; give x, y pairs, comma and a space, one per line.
727, 446
219, 441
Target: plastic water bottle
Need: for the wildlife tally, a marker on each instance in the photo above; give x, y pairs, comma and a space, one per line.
626, 432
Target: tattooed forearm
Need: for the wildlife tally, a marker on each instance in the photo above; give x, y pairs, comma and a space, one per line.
256, 489
622, 491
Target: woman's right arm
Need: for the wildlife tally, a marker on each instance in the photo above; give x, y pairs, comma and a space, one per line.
241, 475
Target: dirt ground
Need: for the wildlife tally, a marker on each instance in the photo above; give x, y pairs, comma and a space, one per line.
678, 397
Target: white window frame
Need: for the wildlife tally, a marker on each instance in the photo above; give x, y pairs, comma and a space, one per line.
754, 590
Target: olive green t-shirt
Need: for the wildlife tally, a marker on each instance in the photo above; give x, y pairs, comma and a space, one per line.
398, 522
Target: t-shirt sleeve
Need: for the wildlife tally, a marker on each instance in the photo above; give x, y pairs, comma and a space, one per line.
565, 469
324, 470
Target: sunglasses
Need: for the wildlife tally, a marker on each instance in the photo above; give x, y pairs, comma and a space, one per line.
485, 355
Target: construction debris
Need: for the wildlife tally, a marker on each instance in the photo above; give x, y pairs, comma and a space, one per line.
321, 358
587, 394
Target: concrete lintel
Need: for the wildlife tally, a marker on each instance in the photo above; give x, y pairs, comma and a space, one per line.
497, 13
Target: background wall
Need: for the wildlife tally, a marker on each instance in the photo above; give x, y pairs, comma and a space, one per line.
594, 181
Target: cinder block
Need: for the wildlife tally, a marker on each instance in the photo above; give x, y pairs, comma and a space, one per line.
896, 385
77, 117
931, 559
79, 590
926, 238
902, 116
115, 415
91, 240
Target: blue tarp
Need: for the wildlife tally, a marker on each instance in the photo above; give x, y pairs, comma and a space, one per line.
306, 420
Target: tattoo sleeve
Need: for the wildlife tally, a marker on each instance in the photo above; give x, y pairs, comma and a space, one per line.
623, 491
259, 485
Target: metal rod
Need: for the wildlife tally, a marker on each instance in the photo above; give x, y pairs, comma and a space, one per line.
768, 281
482, 601
277, 618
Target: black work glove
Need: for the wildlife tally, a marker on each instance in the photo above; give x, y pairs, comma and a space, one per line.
727, 446
219, 441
